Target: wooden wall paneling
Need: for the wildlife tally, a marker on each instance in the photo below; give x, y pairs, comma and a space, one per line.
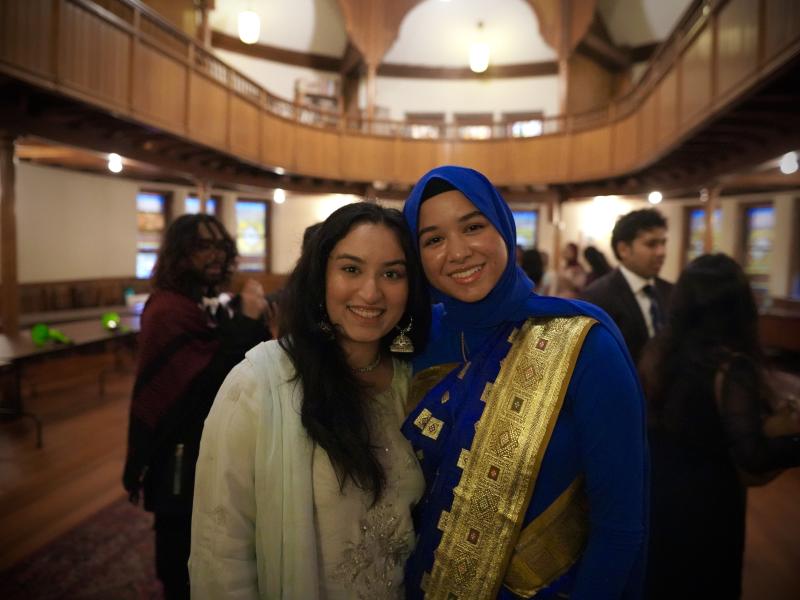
17, 21
667, 107
782, 26
366, 158
498, 163
626, 149
244, 130
737, 44
278, 142
648, 126
159, 88
413, 158
472, 154
696, 72
207, 109
317, 152
541, 160
590, 85
590, 153
94, 57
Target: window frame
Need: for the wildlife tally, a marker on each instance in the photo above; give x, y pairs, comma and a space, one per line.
267, 258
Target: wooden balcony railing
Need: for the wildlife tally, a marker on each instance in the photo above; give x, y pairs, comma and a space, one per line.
120, 56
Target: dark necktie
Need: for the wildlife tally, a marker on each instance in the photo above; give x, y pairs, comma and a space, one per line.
655, 308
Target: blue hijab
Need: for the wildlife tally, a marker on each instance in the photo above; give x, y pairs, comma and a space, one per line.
512, 298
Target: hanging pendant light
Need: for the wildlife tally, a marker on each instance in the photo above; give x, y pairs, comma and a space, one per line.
249, 27
479, 52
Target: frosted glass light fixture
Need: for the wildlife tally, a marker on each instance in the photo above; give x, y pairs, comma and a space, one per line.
279, 196
249, 27
655, 197
789, 163
114, 162
479, 52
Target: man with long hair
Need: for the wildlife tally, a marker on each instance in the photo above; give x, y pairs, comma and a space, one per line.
189, 341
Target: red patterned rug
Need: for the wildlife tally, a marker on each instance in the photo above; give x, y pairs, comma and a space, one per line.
107, 557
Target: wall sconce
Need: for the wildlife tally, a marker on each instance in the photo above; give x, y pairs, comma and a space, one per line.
479, 52
249, 27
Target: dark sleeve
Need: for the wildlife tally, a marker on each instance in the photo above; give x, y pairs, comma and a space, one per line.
741, 411
236, 336
609, 412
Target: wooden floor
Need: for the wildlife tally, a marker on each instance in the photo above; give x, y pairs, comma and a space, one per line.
44, 493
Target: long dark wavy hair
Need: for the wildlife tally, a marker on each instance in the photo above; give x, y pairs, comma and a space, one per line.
712, 320
173, 271
333, 407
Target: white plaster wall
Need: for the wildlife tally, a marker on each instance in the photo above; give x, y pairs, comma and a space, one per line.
401, 95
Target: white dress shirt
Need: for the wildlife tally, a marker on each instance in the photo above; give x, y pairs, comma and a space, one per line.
637, 285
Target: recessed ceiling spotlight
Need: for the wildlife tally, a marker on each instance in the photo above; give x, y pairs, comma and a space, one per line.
789, 163
279, 196
114, 162
655, 197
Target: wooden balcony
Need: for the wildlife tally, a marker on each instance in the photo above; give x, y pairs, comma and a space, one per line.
113, 76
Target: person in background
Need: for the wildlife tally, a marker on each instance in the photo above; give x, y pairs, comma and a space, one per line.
598, 263
188, 343
547, 286
305, 484
572, 277
633, 294
533, 265
705, 382
527, 418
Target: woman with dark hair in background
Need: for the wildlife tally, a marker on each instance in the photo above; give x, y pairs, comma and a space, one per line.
529, 423
597, 261
704, 380
304, 483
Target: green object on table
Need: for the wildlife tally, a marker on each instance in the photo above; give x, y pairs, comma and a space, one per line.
112, 322
41, 334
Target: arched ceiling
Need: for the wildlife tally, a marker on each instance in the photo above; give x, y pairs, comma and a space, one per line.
438, 33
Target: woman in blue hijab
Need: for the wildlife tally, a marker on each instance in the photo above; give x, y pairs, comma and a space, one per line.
527, 419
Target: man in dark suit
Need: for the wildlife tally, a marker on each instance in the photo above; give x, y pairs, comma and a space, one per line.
633, 294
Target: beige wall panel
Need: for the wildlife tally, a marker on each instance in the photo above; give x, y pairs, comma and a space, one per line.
626, 151
414, 158
244, 128
94, 56
317, 152
208, 121
367, 158
695, 94
591, 153
17, 45
159, 88
278, 142
648, 125
782, 25
737, 44
667, 107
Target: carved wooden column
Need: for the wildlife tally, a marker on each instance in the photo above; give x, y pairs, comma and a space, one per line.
204, 28
8, 235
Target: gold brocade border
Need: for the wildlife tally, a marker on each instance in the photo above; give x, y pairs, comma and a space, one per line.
551, 544
424, 381
490, 500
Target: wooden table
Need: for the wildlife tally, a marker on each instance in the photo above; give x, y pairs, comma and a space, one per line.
17, 352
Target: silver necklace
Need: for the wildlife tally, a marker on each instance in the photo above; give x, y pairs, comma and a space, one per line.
370, 367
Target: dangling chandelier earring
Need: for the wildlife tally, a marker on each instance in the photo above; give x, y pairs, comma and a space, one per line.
324, 324
402, 343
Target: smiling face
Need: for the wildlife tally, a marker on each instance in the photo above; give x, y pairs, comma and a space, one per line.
366, 287
463, 255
